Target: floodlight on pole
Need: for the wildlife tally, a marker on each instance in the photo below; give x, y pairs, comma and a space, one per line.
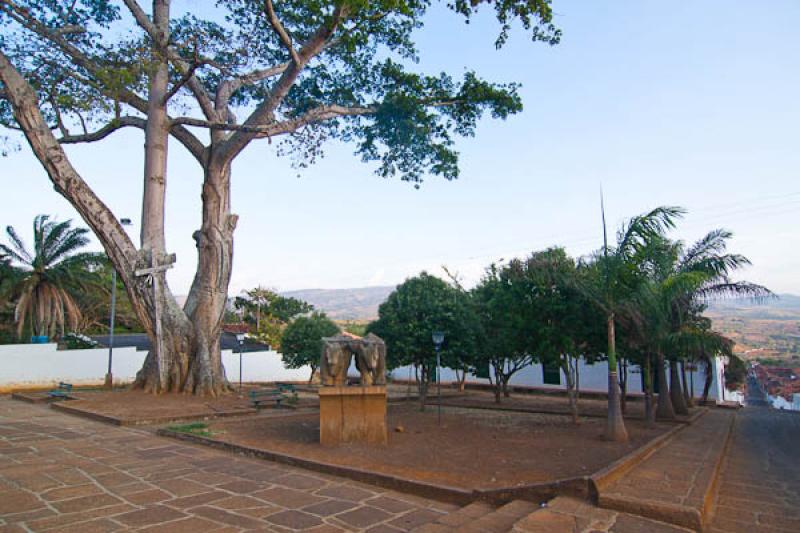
109, 382
438, 339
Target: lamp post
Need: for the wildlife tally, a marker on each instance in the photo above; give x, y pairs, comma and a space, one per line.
109, 382
438, 339
240, 338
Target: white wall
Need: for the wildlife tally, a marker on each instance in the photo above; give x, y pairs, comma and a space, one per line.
28, 365
592, 378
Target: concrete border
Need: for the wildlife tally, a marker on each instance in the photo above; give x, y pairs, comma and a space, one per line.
584, 487
115, 421
515, 409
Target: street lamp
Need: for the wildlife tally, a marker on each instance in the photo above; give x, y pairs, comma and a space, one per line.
109, 383
438, 339
240, 338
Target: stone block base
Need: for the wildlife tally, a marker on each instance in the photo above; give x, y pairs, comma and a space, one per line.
352, 414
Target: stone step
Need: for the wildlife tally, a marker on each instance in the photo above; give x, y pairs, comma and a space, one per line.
452, 521
479, 517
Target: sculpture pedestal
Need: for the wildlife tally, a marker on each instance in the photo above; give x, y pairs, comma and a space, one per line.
352, 414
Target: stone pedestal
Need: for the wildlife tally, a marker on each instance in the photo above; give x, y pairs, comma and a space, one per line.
352, 414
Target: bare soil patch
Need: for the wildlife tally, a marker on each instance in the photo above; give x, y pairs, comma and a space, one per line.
555, 404
473, 448
136, 407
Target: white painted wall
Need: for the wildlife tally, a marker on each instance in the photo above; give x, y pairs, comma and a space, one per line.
593, 377
29, 365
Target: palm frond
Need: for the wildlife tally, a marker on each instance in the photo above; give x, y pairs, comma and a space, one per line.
17, 249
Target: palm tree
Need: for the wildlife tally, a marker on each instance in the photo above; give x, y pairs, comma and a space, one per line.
682, 280
620, 276
49, 278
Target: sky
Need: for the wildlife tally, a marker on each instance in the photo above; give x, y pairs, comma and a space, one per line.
693, 104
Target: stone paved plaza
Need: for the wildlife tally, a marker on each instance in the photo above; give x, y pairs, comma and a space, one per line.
63, 473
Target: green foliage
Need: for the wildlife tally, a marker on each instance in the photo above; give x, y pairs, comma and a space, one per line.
356, 328
268, 313
194, 428
735, 373
76, 341
301, 342
88, 67
48, 282
408, 318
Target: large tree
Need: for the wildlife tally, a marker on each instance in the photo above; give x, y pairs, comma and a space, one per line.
298, 72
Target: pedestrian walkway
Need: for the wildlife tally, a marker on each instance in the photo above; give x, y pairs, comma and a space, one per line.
63, 473
759, 487
675, 483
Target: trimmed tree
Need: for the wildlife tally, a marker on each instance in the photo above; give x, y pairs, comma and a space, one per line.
301, 342
406, 322
295, 72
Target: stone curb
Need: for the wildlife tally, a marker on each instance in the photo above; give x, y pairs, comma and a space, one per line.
679, 515
608, 475
107, 419
710, 498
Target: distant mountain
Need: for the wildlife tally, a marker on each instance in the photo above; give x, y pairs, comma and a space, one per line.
785, 306
345, 304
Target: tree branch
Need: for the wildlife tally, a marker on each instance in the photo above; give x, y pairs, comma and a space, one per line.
184, 136
264, 113
195, 85
269, 9
25, 105
278, 128
229, 87
105, 131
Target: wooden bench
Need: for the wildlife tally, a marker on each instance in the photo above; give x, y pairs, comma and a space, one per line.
62, 392
260, 397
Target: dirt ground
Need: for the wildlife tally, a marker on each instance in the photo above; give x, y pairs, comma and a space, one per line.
540, 402
474, 448
130, 405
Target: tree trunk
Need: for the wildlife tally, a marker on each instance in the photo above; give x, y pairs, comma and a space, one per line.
567, 368
506, 390
189, 358
615, 423
664, 410
647, 376
422, 385
709, 380
462, 381
623, 385
688, 394
675, 390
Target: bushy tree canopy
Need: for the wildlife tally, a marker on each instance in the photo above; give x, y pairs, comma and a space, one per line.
301, 342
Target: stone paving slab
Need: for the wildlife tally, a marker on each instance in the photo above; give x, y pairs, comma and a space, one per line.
63, 473
675, 483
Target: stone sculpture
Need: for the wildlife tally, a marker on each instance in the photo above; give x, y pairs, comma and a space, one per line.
370, 355
337, 352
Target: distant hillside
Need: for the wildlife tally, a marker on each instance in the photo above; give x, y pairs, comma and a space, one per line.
767, 331
345, 304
